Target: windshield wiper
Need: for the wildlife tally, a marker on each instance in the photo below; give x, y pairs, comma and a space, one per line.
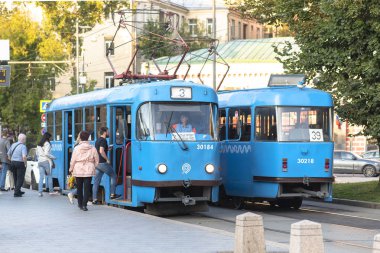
168, 126
183, 146
145, 129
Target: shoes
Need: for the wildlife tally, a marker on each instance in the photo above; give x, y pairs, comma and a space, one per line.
115, 196
70, 195
22, 193
95, 202
17, 195
80, 207
53, 193
40, 194
3, 190
85, 208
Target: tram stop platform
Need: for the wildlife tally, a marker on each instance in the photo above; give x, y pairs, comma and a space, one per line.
51, 224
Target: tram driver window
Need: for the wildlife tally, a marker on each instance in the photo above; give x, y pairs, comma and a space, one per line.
266, 125
50, 123
58, 126
90, 121
222, 124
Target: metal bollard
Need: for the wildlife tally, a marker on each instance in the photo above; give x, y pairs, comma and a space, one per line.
306, 237
376, 244
249, 234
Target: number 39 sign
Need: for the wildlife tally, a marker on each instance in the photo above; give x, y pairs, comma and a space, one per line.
316, 134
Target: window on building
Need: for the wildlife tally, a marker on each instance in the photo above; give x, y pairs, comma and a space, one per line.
101, 117
258, 33
193, 26
245, 31
90, 122
108, 80
109, 47
58, 126
232, 29
209, 26
239, 124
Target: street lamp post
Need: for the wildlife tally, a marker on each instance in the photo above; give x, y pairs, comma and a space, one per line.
214, 37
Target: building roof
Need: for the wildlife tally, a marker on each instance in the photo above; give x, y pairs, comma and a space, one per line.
239, 51
199, 4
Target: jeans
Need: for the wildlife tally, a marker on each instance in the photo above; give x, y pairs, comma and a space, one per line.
100, 170
83, 190
18, 169
3, 175
45, 171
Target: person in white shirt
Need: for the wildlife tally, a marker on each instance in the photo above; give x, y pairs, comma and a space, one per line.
45, 163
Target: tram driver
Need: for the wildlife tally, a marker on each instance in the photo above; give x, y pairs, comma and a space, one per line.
184, 126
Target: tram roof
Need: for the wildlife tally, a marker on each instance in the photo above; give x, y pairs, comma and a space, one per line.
138, 92
285, 96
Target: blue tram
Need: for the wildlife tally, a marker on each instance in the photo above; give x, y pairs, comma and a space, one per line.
276, 145
165, 148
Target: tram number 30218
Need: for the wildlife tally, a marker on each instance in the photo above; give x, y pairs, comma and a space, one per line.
205, 146
305, 161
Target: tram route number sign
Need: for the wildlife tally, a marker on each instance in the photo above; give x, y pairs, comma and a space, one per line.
5, 75
181, 93
316, 135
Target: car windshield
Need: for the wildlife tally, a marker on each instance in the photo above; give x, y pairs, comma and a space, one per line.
306, 124
177, 121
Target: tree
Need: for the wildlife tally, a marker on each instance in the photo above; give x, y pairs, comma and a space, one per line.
19, 104
339, 42
63, 15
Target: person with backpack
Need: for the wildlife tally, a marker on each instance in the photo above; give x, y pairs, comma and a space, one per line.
45, 164
17, 154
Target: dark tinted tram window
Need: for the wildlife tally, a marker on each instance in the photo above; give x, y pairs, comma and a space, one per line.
101, 118
58, 126
90, 121
222, 124
50, 123
239, 124
78, 121
266, 127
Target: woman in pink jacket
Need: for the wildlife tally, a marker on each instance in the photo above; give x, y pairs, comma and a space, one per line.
83, 162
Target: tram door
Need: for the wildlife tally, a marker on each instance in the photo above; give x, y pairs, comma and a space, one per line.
121, 140
68, 141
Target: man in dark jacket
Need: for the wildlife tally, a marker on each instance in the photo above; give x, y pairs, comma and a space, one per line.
4, 147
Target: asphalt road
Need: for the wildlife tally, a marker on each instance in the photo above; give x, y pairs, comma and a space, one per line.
345, 228
353, 178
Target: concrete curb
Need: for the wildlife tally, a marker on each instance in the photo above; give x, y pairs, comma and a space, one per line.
358, 203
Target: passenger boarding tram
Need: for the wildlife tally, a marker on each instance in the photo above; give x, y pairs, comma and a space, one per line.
164, 142
276, 145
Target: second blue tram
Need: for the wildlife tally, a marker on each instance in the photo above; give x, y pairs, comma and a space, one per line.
164, 142
276, 145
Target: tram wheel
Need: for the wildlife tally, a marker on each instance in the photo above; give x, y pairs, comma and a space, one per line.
272, 204
296, 203
238, 203
284, 203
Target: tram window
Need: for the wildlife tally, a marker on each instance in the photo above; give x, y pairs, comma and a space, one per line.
120, 125
239, 124
266, 127
58, 126
222, 124
101, 117
90, 121
78, 121
50, 123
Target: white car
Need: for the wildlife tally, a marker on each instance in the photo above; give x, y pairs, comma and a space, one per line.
32, 174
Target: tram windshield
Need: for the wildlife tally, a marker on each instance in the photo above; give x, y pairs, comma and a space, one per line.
290, 124
177, 121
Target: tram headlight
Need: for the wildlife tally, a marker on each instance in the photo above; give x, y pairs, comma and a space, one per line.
209, 168
162, 168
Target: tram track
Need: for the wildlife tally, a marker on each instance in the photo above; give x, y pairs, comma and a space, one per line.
227, 223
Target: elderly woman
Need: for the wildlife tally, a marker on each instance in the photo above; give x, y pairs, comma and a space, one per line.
83, 162
17, 154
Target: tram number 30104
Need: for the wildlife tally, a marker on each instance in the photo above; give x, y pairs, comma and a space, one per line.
205, 146
305, 161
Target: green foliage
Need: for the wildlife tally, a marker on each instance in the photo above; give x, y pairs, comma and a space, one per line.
19, 104
339, 43
366, 191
